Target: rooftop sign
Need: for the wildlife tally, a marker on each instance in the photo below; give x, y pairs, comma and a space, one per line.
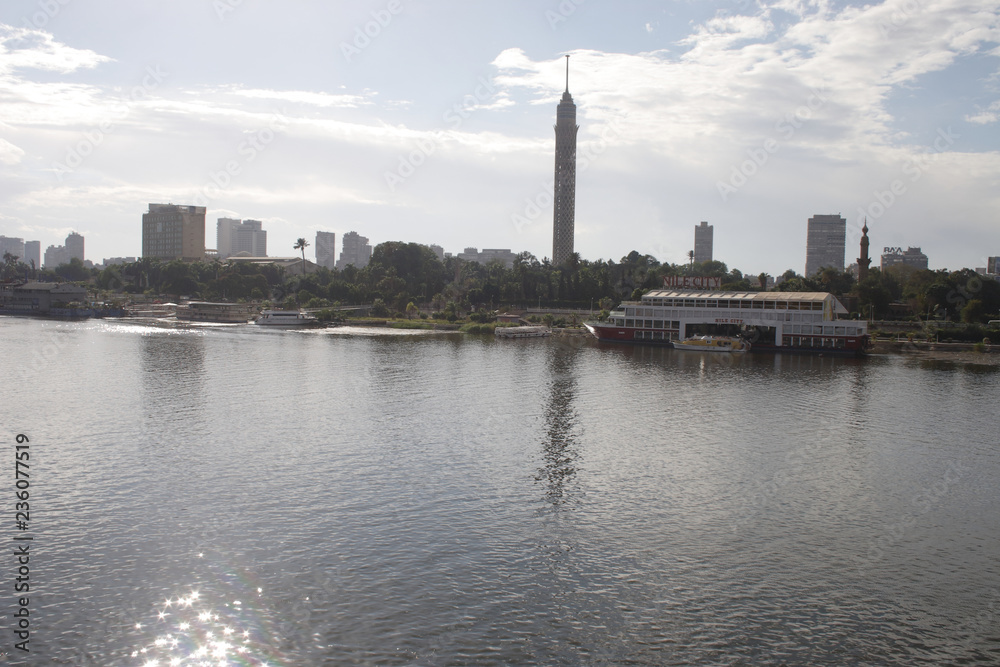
692, 282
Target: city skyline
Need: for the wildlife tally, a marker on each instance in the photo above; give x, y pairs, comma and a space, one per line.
752, 117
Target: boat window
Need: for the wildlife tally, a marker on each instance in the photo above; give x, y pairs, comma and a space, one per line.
840, 331
782, 305
630, 323
712, 303
769, 305
757, 305
657, 324
648, 324
852, 331
817, 305
688, 303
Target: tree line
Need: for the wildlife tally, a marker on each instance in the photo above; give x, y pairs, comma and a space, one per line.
400, 274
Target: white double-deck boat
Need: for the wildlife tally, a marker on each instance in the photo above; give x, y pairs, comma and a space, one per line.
207, 311
713, 344
285, 318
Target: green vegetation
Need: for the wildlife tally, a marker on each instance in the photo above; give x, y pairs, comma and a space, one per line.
408, 281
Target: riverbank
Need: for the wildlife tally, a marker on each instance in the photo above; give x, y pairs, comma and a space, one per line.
965, 353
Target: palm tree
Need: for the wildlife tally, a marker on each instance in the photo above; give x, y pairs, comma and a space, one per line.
302, 244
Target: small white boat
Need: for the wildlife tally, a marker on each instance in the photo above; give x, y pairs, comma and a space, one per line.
713, 344
285, 318
521, 332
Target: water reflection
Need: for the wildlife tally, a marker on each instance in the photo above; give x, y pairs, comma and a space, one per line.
559, 449
172, 375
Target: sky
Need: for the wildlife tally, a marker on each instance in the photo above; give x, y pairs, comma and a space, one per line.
432, 122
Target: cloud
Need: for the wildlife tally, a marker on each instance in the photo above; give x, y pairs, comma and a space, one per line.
23, 48
9, 153
989, 115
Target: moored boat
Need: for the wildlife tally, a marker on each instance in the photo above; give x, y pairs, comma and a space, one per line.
285, 318
771, 321
207, 311
521, 332
713, 344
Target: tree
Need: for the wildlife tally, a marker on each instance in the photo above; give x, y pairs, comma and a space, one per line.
302, 244
411, 310
973, 311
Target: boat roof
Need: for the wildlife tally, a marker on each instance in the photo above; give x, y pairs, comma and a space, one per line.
752, 296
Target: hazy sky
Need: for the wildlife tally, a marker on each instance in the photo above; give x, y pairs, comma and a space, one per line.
431, 121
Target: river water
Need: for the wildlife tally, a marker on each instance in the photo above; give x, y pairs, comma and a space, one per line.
365, 497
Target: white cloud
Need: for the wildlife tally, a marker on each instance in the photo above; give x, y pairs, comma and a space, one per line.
22, 48
989, 115
9, 153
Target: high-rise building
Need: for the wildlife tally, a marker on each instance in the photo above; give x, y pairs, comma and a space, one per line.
993, 265
909, 257
326, 249
354, 251
703, 242
251, 238
33, 253
170, 231
62, 254
826, 237
564, 186
74, 246
437, 250
13, 246
225, 230
55, 255
234, 236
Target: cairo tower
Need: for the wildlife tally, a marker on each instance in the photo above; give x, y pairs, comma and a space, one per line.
564, 193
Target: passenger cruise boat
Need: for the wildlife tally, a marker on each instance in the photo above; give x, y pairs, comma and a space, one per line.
285, 318
206, 311
771, 321
713, 344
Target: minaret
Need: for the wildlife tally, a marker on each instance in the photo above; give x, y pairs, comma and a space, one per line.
564, 193
864, 260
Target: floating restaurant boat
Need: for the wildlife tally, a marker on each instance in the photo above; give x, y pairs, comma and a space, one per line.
713, 344
207, 311
285, 318
521, 332
771, 321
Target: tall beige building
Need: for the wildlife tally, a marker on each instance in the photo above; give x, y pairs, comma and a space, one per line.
170, 231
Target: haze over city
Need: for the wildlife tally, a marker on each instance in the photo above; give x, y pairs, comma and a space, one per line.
432, 122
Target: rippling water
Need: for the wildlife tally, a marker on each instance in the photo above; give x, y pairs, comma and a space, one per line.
358, 497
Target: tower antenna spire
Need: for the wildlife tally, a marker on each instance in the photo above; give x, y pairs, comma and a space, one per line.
567, 72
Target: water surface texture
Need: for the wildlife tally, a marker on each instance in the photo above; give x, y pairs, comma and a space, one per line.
354, 497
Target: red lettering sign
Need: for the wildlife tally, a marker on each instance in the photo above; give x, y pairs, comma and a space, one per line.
692, 282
